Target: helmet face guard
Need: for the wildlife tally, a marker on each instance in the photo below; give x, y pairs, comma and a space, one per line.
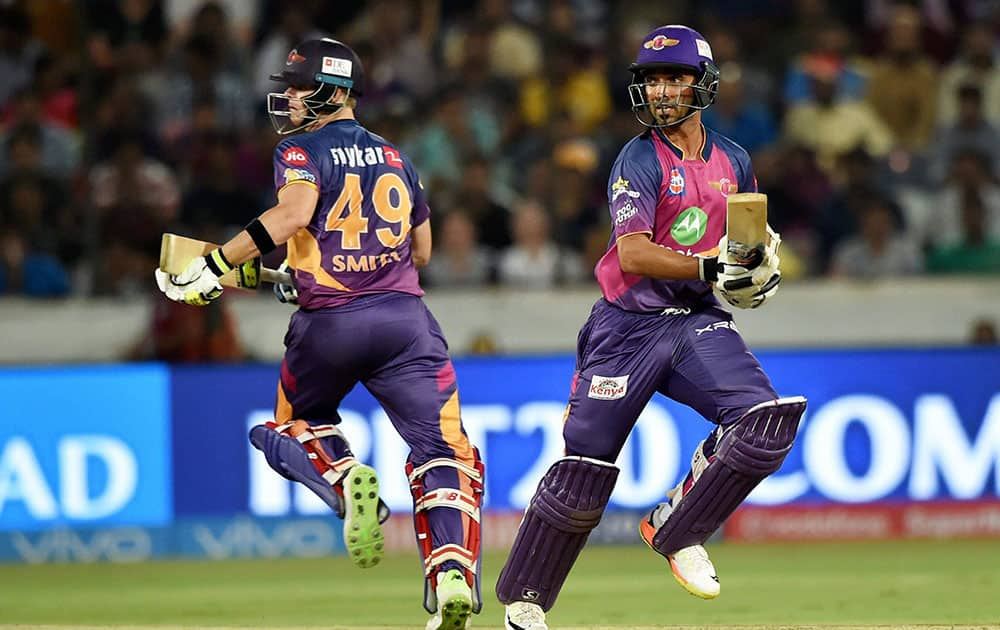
319, 65
705, 88
672, 48
286, 120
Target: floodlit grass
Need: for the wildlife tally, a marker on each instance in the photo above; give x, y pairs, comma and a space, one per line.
856, 584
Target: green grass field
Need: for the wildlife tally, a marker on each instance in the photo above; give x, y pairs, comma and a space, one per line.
871, 584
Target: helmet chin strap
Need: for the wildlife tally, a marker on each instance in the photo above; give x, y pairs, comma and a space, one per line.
653, 124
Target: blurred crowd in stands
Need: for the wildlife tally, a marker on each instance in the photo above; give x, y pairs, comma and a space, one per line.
874, 128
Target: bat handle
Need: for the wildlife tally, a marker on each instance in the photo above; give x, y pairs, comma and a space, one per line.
275, 277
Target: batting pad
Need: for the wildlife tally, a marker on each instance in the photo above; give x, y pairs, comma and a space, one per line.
567, 505
750, 450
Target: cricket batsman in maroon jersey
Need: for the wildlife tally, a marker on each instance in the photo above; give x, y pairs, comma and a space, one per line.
353, 214
660, 328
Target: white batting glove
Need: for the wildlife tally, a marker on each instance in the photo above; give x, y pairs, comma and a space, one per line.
286, 293
198, 284
745, 284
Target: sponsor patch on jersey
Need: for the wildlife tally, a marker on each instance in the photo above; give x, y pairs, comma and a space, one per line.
295, 155
625, 213
724, 186
339, 67
608, 387
660, 42
298, 174
676, 187
620, 187
689, 226
392, 157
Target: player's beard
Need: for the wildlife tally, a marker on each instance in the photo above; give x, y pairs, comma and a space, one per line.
668, 111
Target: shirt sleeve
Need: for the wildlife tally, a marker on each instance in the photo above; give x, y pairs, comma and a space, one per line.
294, 164
633, 189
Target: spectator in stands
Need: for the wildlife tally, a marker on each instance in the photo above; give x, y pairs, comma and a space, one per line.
970, 132
750, 123
125, 35
27, 271
59, 147
984, 333
830, 126
179, 333
977, 252
827, 54
879, 249
459, 260
534, 261
900, 83
475, 197
976, 65
20, 51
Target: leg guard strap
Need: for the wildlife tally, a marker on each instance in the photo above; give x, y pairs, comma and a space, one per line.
748, 451
436, 498
317, 456
567, 505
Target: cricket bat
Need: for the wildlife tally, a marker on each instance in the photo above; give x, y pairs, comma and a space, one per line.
177, 251
746, 225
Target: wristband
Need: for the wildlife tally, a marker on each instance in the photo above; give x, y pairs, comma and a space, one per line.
217, 263
258, 233
708, 269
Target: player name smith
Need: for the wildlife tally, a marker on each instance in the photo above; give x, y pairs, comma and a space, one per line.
351, 262
369, 156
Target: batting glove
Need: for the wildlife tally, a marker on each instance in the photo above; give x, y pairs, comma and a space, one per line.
286, 293
198, 284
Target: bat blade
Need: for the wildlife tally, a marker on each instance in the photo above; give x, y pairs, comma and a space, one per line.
177, 251
746, 225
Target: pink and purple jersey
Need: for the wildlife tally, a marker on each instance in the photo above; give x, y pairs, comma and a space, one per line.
680, 203
370, 197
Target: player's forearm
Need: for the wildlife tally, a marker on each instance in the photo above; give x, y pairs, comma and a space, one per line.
280, 224
655, 261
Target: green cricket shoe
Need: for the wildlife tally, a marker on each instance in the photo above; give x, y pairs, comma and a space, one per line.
454, 598
362, 530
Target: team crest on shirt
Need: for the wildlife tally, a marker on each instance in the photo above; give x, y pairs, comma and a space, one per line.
724, 186
620, 187
297, 175
676, 187
608, 387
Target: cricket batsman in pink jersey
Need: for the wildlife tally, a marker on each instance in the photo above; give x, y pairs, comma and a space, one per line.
660, 328
353, 213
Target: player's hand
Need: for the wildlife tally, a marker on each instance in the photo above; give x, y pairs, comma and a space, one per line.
744, 284
286, 293
753, 296
198, 284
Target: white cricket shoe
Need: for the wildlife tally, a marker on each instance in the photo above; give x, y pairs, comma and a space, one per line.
691, 567
695, 572
524, 616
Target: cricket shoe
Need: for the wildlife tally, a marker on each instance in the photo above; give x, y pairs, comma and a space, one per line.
454, 598
524, 616
690, 565
362, 529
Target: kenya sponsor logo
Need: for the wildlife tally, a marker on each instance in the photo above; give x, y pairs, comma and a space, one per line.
295, 155
608, 387
690, 226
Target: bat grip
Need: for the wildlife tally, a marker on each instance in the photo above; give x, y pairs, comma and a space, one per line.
274, 276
